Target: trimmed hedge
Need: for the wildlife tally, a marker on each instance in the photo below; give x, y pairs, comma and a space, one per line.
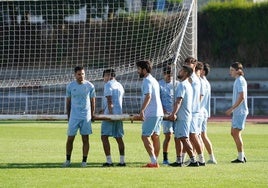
230, 32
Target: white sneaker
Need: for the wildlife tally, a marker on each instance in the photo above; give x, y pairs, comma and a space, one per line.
66, 164
84, 164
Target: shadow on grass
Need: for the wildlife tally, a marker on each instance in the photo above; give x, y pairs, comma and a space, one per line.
59, 165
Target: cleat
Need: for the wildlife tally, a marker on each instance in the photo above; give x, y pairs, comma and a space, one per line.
165, 162
151, 165
202, 164
84, 164
193, 164
237, 161
211, 162
245, 159
176, 164
107, 164
66, 164
121, 164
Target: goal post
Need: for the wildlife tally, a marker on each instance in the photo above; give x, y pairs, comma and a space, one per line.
42, 42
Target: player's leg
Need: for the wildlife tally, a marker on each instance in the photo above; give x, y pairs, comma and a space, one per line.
106, 131
118, 135
238, 124
168, 131
85, 131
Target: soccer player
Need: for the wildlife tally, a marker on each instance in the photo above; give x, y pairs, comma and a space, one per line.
195, 129
167, 88
80, 106
113, 93
239, 109
205, 112
182, 115
151, 112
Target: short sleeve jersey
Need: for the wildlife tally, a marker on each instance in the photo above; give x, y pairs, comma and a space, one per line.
80, 95
185, 91
197, 92
167, 94
150, 85
114, 89
240, 85
205, 102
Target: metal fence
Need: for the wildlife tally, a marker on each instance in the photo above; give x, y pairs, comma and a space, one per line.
53, 104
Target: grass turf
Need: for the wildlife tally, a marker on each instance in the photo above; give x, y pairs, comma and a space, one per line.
32, 152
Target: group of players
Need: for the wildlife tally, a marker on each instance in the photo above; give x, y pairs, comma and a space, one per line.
185, 104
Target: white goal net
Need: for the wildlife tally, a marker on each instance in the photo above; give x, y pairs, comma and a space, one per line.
42, 42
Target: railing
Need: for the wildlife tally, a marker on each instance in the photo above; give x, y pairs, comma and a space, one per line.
258, 105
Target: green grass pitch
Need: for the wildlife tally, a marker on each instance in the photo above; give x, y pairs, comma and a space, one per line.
32, 152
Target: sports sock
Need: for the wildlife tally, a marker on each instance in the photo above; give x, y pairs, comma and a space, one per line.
241, 156
68, 157
179, 159
183, 155
212, 157
165, 156
192, 159
201, 158
122, 159
84, 159
109, 159
153, 159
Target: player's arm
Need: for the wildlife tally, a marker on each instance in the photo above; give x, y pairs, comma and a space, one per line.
177, 105
68, 107
93, 106
110, 104
240, 99
145, 103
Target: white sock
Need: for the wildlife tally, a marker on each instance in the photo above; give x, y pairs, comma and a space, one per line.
183, 155
212, 157
109, 159
201, 158
153, 159
241, 156
122, 159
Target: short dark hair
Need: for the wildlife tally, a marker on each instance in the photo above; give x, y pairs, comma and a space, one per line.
188, 69
78, 68
199, 66
238, 67
145, 64
167, 69
206, 68
109, 71
190, 60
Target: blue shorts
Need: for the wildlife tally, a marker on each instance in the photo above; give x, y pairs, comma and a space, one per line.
168, 126
195, 125
182, 129
204, 123
83, 125
151, 125
239, 121
112, 128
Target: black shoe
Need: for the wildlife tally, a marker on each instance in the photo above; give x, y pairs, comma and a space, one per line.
176, 164
245, 159
121, 164
237, 161
193, 164
107, 164
202, 164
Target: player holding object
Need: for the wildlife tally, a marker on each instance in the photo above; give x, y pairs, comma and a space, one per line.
195, 130
239, 109
182, 115
113, 93
80, 106
151, 112
167, 89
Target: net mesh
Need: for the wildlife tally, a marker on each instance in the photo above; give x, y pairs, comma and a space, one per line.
42, 42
